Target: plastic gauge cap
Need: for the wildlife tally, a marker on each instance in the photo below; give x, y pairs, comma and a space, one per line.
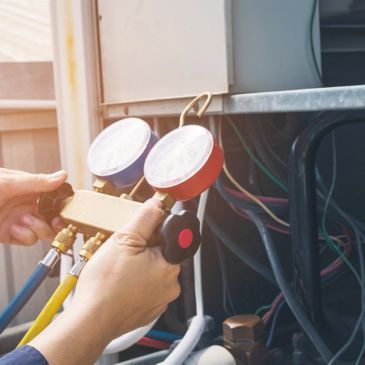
184, 163
118, 153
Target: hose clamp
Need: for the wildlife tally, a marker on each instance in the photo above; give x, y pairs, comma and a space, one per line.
51, 258
77, 268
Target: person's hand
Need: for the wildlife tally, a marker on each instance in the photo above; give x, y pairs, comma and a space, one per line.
133, 278
125, 285
19, 222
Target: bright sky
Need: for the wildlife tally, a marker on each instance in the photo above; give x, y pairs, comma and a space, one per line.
25, 32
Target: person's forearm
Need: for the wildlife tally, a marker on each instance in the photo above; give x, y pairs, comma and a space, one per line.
73, 339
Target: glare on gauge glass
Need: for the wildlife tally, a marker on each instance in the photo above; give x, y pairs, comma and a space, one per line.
178, 156
118, 146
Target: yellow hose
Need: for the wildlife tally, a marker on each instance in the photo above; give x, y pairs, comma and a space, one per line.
50, 309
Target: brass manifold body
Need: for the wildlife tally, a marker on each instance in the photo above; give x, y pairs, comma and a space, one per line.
94, 212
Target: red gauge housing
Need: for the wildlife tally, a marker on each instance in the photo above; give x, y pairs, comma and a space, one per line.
184, 163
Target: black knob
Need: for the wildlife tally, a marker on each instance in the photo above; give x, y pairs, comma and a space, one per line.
181, 236
50, 203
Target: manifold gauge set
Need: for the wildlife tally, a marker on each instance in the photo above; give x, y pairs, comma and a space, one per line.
179, 166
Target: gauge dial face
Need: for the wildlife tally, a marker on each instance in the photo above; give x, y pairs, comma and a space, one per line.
118, 146
178, 156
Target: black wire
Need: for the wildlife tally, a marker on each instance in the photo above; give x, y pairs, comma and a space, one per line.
350, 340
227, 298
239, 203
237, 250
287, 291
260, 144
356, 228
313, 53
271, 152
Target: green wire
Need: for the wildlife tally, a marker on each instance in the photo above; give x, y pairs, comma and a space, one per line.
263, 168
323, 229
329, 241
328, 238
262, 309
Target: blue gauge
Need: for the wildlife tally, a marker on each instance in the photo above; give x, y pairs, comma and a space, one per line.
118, 153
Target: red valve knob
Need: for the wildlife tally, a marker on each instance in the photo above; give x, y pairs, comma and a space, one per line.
181, 236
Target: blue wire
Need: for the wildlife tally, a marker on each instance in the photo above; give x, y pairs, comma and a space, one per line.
327, 280
273, 324
164, 336
23, 295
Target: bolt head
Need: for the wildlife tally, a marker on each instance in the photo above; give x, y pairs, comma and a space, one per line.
245, 327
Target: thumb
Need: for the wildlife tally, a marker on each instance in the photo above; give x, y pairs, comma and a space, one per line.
26, 183
147, 219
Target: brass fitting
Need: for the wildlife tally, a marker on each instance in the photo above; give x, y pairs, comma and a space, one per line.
103, 187
244, 337
126, 196
243, 327
165, 199
91, 246
65, 239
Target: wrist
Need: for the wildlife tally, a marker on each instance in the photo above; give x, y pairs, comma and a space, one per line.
74, 338
88, 322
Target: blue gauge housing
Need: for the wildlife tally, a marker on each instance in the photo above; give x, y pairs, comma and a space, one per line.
118, 153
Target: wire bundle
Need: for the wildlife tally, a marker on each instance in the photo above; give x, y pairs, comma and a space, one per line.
270, 212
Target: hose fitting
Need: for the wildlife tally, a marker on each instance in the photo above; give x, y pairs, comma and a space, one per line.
91, 246
77, 267
65, 239
51, 258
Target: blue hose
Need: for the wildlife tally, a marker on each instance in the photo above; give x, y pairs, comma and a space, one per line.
22, 297
164, 336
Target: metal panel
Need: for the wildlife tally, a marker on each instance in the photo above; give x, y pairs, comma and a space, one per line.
331, 98
272, 45
163, 49
156, 108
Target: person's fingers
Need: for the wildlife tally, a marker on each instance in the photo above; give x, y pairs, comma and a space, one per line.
173, 269
22, 235
16, 184
146, 221
57, 224
38, 226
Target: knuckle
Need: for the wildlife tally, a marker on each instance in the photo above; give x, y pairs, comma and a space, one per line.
176, 269
175, 291
29, 240
39, 178
120, 237
172, 270
123, 236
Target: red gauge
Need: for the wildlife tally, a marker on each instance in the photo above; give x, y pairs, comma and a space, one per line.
184, 163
